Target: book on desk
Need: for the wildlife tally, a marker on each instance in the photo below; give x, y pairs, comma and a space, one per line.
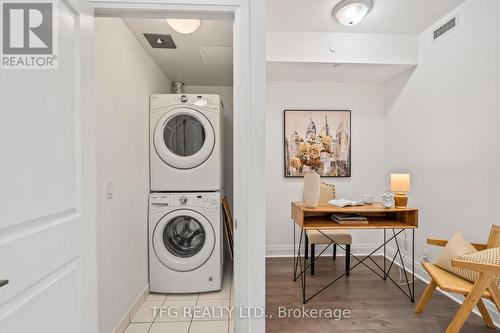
345, 202
347, 218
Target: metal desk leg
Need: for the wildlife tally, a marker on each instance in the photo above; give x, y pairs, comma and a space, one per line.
294, 262
300, 261
385, 278
304, 274
296, 257
306, 250
413, 265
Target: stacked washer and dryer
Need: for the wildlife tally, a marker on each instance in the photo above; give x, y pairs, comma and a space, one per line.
185, 220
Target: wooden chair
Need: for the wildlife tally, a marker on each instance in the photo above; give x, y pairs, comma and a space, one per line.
313, 237
484, 287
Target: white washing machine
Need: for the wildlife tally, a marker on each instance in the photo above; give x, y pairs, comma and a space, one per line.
185, 235
185, 142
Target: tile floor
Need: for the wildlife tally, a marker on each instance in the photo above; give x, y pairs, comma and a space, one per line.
186, 313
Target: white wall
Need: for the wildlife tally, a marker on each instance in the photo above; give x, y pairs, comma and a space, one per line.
226, 94
350, 48
442, 126
126, 76
366, 101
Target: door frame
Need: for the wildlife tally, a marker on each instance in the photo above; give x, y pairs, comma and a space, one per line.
249, 128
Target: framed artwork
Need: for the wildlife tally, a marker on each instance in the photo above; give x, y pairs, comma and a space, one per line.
319, 140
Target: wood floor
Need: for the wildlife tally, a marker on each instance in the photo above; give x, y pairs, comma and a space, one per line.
376, 306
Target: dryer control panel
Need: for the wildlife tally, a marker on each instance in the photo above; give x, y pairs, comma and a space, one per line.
178, 200
209, 101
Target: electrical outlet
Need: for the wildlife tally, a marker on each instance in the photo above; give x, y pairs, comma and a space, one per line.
425, 253
403, 242
109, 189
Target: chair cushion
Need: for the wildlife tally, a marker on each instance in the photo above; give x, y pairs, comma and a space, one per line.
340, 237
488, 256
456, 247
326, 192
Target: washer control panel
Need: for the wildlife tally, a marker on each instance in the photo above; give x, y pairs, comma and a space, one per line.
206, 200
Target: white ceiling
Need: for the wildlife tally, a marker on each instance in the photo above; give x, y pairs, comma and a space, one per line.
322, 72
386, 16
185, 63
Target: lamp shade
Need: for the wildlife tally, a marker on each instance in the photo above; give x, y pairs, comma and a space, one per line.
400, 182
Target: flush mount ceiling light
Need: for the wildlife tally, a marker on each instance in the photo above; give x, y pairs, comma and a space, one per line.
351, 12
184, 26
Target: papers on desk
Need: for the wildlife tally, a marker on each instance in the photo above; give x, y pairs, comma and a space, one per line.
349, 218
345, 202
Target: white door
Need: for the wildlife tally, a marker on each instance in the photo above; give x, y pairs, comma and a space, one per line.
184, 138
47, 181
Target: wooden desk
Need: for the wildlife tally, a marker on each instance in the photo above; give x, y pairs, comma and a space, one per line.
379, 218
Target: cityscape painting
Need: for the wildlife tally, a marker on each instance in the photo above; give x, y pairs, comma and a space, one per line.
317, 140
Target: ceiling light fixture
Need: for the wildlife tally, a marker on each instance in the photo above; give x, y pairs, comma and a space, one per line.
184, 26
351, 12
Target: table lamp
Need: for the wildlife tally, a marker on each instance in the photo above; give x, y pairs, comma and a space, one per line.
400, 184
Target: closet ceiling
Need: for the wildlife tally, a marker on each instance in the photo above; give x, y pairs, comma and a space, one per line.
214, 38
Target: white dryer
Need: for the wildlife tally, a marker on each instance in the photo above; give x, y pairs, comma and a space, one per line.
185, 235
185, 142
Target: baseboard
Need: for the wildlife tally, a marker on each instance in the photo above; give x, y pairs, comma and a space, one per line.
422, 275
132, 311
288, 250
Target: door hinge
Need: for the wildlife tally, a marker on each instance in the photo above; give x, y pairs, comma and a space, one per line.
235, 224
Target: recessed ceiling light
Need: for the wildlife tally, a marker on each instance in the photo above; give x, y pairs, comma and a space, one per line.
184, 26
351, 12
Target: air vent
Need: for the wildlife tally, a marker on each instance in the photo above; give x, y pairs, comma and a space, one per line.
159, 41
442, 30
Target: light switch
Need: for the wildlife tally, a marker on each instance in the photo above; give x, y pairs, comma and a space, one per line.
109, 189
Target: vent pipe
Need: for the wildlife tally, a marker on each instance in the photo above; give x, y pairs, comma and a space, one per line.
177, 87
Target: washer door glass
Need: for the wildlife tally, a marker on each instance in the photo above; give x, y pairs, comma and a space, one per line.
184, 236
183, 240
184, 138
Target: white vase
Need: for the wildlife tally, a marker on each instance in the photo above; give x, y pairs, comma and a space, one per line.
311, 188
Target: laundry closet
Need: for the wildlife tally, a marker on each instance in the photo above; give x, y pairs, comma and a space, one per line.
164, 136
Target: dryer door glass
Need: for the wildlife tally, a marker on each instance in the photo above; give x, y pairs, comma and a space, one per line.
184, 236
184, 135
184, 138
